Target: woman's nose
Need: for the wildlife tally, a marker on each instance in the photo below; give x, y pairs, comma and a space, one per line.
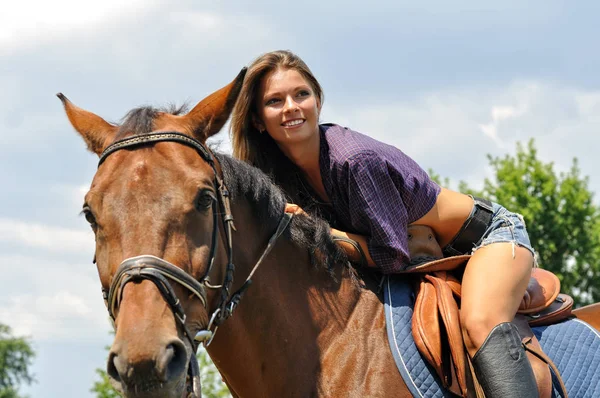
290, 105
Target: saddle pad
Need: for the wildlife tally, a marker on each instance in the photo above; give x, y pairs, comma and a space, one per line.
572, 345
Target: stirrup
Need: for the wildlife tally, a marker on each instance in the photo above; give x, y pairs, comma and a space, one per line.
502, 367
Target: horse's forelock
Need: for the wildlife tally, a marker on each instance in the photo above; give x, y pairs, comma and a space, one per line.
139, 121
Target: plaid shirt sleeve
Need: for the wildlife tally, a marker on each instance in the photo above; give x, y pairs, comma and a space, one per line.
378, 196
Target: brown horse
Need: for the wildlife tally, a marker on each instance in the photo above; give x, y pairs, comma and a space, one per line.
162, 207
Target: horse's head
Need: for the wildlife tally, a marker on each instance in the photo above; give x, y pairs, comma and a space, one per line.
153, 205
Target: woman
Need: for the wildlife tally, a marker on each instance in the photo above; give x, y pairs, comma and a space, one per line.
370, 192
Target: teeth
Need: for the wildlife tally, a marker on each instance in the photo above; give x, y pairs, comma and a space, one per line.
293, 122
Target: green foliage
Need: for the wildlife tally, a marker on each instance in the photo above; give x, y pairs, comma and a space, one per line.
210, 379
102, 388
16, 356
562, 220
437, 178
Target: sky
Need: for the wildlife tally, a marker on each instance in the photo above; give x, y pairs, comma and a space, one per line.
446, 82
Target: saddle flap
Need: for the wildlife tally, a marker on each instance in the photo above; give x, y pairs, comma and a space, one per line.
449, 313
426, 328
452, 281
542, 290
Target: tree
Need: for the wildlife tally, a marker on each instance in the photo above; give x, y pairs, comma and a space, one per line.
562, 220
102, 388
16, 357
210, 380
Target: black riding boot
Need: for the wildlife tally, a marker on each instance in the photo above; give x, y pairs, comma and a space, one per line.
502, 367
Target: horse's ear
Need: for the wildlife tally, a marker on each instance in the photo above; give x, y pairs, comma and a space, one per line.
209, 116
96, 132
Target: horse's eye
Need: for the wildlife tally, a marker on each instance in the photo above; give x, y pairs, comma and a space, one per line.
205, 200
430, 237
409, 236
89, 216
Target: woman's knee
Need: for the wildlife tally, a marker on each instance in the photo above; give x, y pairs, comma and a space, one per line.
477, 326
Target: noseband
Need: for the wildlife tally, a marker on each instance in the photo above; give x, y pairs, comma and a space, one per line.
161, 272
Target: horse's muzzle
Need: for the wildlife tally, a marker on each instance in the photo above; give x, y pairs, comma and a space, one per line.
163, 376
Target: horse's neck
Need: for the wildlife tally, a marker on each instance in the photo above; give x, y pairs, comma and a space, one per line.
291, 314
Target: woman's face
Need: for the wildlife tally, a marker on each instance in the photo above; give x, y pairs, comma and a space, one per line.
287, 107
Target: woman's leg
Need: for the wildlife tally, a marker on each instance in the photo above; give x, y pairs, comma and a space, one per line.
493, 285
492, 289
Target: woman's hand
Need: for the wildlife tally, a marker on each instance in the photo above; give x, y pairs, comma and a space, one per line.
294, 209
354, 245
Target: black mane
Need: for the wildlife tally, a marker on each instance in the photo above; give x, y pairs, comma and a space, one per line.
269, 201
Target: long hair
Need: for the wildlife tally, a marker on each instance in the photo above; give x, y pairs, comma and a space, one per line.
249, 144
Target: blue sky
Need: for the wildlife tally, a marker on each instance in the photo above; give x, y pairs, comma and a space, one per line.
447, 82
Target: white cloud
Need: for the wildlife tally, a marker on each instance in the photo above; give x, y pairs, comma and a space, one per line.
205, 25
34, 22
52, 300
50, 238
201, 22
71, 195
111, 57
59, 316
500, 114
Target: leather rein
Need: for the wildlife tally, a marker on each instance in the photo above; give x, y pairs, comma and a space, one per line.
161, 272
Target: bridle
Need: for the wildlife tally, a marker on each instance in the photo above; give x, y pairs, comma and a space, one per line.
160, 271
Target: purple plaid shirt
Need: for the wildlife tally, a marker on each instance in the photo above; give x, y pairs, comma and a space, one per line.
376, 190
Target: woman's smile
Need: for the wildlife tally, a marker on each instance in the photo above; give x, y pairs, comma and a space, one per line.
294, 123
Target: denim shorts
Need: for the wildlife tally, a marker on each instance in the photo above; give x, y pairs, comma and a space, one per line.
506, 227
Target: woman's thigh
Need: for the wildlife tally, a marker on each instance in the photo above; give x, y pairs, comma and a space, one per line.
496, 276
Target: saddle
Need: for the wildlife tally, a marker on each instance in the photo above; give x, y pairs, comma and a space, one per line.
436, 325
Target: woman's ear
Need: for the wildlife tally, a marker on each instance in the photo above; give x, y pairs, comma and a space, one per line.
258, 124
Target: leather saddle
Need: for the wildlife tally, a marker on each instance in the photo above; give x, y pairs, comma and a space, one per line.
436, 319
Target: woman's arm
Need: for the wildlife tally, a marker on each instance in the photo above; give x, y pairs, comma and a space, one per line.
355, 246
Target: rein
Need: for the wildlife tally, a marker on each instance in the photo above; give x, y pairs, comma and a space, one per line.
160, 271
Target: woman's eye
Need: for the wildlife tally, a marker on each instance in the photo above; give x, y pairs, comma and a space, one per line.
205, 200
303, 93
272, 101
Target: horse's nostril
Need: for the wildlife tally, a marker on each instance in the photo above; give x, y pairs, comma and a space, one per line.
113, 367
172, 361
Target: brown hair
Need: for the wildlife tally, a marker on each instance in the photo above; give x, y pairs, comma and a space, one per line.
248, 143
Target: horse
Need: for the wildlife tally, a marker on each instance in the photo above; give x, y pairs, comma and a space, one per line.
193, 245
